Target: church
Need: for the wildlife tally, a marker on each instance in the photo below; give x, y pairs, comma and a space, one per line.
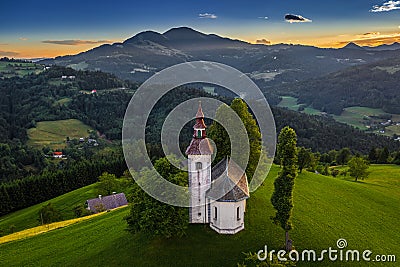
218, 195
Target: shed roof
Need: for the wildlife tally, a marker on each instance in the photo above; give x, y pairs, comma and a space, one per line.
107, 202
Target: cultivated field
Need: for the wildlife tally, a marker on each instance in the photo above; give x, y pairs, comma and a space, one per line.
54, 133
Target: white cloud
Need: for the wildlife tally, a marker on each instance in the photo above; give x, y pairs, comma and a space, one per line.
23, 38
387, 6
207, 16
263, 17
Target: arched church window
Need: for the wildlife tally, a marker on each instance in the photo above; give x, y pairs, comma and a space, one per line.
215, 213
199, 133
199, 165
238, 213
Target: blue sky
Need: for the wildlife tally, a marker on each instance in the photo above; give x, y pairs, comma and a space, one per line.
26, 24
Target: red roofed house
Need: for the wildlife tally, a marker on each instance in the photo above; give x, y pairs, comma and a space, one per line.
57, 154
218, 195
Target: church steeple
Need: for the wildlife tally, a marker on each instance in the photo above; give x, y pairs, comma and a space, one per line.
200, 126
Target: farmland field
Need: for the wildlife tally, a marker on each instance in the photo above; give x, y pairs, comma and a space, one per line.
54, 133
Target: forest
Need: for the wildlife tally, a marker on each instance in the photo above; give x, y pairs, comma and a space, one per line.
28, 177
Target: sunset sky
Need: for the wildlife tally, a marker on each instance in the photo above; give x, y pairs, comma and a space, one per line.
44, 28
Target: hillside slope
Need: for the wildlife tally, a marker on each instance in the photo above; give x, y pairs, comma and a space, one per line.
374, 85
326, 209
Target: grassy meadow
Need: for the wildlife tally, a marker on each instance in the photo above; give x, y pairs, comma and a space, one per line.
325, 209
11, 69
54, 133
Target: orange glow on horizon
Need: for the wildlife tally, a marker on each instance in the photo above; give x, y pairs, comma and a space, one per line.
31, 49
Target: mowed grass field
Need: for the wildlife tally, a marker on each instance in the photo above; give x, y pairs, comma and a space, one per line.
290, 102
54, 133
11, 69
355, 116
366, 214
29, 217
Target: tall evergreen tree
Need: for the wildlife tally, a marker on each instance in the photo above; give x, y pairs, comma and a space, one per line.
282, 198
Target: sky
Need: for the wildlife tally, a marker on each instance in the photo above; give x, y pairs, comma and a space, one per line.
44, 28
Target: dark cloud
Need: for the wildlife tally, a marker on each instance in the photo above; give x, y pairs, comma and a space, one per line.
8, 53
296, 18
263, 41
75, 42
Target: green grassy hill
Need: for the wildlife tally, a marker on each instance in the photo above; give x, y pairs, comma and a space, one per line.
326, 209
28, 218
54, 133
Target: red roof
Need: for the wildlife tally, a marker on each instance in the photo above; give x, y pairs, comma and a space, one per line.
199, 119
199, 113
199, 147
57, 153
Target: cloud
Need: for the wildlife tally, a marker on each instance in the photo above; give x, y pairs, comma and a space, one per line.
296, 18
370, 35
207, 16
263, 41
387, 6
8, 53
263, 17
23, 38
75, 42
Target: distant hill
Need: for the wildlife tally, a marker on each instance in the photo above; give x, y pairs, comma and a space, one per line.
148, 52
374, 85
353, 46
394, 46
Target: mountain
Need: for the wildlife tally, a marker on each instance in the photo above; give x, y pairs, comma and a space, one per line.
394, 46
353, 46
374, 85
146, 53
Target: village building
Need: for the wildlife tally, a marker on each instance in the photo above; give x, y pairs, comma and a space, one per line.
57, 154
218, 195
106, 203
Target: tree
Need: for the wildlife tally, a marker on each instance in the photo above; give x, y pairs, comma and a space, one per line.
343, 156
253, 133
383, 156
107, 184
150, 216
282, 199
219, 135
373, 155
221, 138
49, 214
358, 168
304, 158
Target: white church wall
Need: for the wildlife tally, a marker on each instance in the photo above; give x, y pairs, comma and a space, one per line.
226, 221
199, 183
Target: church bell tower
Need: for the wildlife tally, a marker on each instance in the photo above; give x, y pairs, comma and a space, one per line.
199, 154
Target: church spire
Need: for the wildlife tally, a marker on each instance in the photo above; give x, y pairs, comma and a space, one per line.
200, 126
